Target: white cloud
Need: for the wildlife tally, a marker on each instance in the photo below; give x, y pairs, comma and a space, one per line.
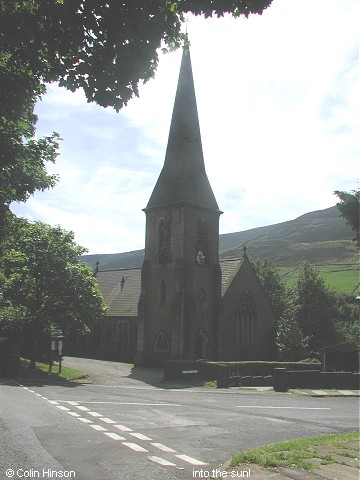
277, 98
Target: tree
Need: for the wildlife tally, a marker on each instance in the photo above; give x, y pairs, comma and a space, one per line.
44, 286
102, 46
349, 207
275, 288
315, 307
290, 342
105, 47
347, 322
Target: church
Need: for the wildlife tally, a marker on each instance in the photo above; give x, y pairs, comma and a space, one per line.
184, 303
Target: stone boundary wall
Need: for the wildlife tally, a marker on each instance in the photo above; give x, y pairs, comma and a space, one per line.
286, 379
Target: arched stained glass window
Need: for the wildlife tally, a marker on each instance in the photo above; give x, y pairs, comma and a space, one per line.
245, 320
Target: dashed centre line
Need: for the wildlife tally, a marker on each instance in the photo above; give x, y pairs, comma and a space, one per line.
164, 448
140, 436
74, 414
107, 420
191, 460
144, 404
162, 461
283, 407
85, 420
61, 407
135, 446
123, 428
99, 428
114, 436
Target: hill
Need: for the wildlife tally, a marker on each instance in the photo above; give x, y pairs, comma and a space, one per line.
320, 237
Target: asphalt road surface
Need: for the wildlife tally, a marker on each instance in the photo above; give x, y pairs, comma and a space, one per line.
127, 427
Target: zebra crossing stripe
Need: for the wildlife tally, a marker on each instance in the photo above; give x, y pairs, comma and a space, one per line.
191, 460
162, 461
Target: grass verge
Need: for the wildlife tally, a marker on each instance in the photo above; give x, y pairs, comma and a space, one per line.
296, 453
41, 371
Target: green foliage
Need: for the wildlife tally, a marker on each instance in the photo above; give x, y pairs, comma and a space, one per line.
44, 286
349, 207
291, 342
315, 305
274, 286
298, 453
22, 158
347, 322
308, 313
41, 371
104, 47
344, 278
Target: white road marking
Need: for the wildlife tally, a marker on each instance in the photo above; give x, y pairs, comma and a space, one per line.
191, 460
137, 403
346, 392
285, 407
95, 414
123, 428
32, 391
45, 398
100, 428
85, 420
162, 461
74, 414
107, 420
114, 436
164, 448
38, 394
134, 446
54, 402
61, 407
140, 436
320, 392
71, 402
80, 407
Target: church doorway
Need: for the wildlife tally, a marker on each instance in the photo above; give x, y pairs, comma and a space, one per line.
201, 341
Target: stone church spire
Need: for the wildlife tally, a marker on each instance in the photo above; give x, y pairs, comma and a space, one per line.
183, 177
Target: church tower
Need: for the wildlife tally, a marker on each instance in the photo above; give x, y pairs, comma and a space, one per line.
179, 305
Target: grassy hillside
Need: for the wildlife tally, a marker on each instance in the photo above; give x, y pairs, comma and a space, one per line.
343, 278
321, 238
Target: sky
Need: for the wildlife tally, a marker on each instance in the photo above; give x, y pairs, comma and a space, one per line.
277, 98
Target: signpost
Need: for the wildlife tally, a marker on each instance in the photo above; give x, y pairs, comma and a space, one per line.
56, 346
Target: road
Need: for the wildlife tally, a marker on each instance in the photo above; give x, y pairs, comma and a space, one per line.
125, 427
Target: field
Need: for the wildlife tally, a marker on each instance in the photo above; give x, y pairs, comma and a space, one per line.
344, 278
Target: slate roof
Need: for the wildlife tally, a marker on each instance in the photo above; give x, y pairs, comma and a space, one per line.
121, 291
121, 288
229, 268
